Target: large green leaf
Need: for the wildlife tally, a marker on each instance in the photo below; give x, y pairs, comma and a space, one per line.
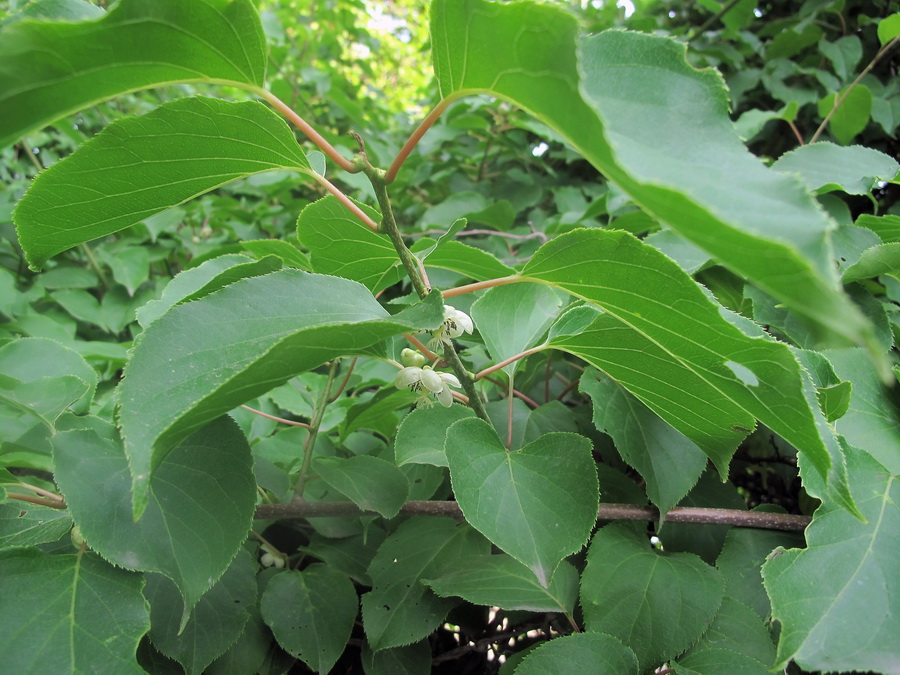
23, 524
668, 461
216, 622
737, 628
502, 581
370, 482
69, 613
539, 504
660, 130
341, 245
140, 166
200, 508
825, 167
48, 70
204, 358
663, 339
420, 436
400, 609
836, 600
658, 604
311, 613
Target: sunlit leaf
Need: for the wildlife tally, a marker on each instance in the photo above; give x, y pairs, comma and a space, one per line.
825, 167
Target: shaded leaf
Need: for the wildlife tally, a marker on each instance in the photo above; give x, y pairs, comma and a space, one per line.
658, 604
200, 509
852, 112
311, 613
87, 614
371, 483
216, 621
23, 524
400, 609
586, 653
502, 581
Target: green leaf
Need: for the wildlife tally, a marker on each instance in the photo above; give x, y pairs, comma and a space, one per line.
588, 653
875, 261
466, 260
718, 661
835, 599
740, 562
886, 227
825, 167
75, 612
514, 318
663, 339
737, 628
201, 502
371, 483
889, 28
216, 622
872, 421
502, 581
844, 54
290, 255
30, 359
348, 555
24, 524
48, 70
340, 244
400, 609
130, 266
539, 504
420, 436
202, 280
668, 461
204, 358
414, 659
852, 114
658, 604
311, 613
140, 166
249, 652
660, 130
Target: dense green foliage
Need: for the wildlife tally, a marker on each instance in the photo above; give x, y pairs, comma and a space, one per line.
242, 431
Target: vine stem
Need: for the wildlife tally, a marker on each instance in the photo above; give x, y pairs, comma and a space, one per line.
481, 285
346, 201
679, 514
414, 139
52, 503
838, 100
506, 362
314, 425
307, 130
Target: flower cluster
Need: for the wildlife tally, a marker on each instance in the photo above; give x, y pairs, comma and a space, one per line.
455, 324
425, 381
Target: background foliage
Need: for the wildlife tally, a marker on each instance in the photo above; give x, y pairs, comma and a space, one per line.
714, 294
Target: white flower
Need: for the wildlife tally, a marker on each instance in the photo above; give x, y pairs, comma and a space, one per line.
424, 381
455, 324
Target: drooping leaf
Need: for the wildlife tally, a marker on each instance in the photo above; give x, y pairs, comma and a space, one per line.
825, 167
29, 359
140, 166
696, 176
49, 69
311, 613
836, 599
658, 604
340, 244
664, 340
502, 581
514, 318
23, 524
420, 436
200, 508
370, 482
872, 421
594, 653
75, 612
206, 357
875, 261
216, 621
737, 628
400, 609
539, 504
669, 462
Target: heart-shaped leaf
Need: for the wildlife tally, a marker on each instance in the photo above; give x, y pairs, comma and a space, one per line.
538, 503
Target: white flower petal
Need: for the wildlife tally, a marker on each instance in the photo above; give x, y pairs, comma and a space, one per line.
431, 380
408, 377
450, 379
444, 397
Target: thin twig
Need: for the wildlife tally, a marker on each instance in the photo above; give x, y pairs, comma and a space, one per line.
314, 425
480, 285
343, 386
414, 139
511, 359
530, 401
711, 20
52, 503
346, 201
